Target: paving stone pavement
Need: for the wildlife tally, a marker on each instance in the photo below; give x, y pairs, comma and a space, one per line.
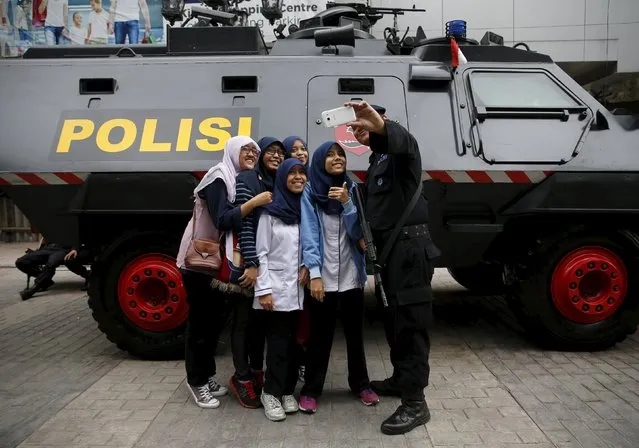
63, 384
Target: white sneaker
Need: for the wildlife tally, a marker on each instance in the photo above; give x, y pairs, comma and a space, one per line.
289, 403
272, 408
203, 398
216, 389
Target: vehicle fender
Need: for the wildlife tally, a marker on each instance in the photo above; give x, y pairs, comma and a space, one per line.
150, 192
580, 193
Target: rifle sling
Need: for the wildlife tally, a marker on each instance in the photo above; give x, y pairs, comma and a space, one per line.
398, 227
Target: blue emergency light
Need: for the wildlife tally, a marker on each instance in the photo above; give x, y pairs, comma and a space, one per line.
456, 28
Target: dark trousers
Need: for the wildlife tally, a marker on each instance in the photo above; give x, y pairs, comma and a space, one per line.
257, 339
323, 316
42, 263
281, 368
406, 329
204, 324
409, 316
242, 308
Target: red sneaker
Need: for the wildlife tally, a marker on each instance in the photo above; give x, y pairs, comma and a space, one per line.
245, 392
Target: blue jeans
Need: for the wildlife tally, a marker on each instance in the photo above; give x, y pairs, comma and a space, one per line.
53, 35
25, 35
130, 28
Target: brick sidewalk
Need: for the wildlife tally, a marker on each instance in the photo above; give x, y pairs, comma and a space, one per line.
10, 252
63, 384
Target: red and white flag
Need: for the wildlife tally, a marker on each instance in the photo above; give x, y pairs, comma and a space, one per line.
458, 56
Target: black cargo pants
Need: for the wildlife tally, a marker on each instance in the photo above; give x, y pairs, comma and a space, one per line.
42, 263
409, 317
203, 326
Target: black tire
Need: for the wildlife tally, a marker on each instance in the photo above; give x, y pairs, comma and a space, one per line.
530, 293
483, 278
106, 308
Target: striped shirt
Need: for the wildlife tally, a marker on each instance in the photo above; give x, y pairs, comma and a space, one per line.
246, 237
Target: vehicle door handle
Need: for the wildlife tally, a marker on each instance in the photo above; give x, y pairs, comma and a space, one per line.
478, 144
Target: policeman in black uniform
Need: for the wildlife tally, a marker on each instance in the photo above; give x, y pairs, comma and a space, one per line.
43, 262
394, 174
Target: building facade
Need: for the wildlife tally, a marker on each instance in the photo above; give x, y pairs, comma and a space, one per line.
570, 31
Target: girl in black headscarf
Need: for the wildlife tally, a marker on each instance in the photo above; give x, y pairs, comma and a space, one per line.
278, 294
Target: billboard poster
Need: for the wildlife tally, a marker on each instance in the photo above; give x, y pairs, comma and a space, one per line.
24, 23
292, 12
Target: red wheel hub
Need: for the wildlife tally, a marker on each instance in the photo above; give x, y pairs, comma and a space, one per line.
151, 293
589, 284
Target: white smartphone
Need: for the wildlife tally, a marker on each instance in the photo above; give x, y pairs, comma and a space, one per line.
337, 117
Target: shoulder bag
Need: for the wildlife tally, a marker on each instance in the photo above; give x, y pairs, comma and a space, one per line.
203, 255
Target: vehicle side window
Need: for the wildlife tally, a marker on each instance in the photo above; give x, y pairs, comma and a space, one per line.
518, 90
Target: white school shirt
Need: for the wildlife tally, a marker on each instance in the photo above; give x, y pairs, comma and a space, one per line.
280, 256
99, 24
339, 272
55, 13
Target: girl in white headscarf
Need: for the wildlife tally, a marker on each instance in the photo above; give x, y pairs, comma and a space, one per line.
214, 215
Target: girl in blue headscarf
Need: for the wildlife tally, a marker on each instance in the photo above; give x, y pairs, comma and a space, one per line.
330, 240
296, 147
279, 296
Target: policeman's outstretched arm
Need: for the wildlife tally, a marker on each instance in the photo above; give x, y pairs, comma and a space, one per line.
386, 136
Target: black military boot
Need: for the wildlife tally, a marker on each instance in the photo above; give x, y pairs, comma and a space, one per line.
46, 285
408, 416
27, 293
386, 388
86, 281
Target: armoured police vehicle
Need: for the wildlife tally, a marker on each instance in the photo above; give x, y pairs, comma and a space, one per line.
531, 182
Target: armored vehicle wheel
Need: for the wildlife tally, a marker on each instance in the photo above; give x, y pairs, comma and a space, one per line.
137, 297
578, 291
483, 278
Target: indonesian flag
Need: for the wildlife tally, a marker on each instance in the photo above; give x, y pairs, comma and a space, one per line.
458, 56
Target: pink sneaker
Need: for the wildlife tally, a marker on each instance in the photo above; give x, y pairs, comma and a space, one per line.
369, 397
308, 404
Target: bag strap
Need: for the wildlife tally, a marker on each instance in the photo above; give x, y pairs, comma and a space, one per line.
398, 227
193, 220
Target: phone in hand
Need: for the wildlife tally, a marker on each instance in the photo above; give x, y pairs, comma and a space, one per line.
337, 117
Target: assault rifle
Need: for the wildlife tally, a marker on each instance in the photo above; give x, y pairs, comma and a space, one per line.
373, 14
371, 251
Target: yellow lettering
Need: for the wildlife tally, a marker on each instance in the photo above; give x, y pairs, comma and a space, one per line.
207, 129
70, 132
102, 138
184, 134
244, 127
147, 143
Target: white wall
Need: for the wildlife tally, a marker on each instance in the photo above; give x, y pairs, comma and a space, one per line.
567, 30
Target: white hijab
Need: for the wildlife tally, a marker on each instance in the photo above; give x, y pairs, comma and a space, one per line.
227, 170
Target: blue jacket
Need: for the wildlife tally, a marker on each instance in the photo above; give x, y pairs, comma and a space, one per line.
312, 230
